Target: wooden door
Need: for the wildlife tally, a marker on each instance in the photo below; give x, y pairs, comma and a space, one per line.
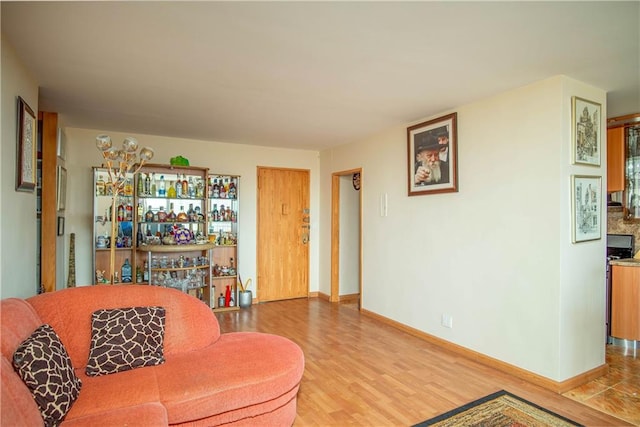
283, 233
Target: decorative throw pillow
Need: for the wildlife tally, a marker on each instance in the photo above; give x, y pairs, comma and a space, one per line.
45, 367
125, 338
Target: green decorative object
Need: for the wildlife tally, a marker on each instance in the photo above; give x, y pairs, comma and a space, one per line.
179, 161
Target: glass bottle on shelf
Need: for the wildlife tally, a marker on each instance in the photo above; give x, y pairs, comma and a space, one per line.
216, 189
162, 189
140, 212
190, 188
178, 187
162, 215
100, 186
154, 187
232, 189
148, 217
191, 213
216, 214
147, 185
185, 186
223, 191
126, 271
171, 216
128, 212
120, 212
182, 215
171, 192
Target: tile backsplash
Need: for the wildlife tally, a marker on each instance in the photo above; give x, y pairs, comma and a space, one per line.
616, 225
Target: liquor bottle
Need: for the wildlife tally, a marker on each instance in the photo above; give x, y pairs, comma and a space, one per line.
162, 215
190, 188
153, 185
227, 216
139, 237
191, 213
226, 187
199, 189
120, 212
185, 186
100, 186
140, 212
140, 185
216, 189
223, 191
209, 186
182, 215
126, 271
171, 216
199, 217
178, 187
128, 212
162, 189
232, 189
147, 185
223, 213
148, 217
216, 213
128, 187
227, 297
145, 271
171, 192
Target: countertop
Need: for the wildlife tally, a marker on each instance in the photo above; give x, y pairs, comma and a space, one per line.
629, 262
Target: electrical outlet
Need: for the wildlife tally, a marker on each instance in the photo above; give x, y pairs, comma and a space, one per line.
446, 321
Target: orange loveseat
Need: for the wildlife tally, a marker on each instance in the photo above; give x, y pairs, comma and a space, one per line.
208, 378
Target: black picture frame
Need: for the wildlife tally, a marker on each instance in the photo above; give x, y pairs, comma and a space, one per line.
26, 148
60, 225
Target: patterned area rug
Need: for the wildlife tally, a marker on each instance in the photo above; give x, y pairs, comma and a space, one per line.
500, 409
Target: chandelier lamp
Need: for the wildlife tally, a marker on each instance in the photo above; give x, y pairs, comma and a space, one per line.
119, 163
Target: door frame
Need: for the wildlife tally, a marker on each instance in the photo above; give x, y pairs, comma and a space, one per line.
335, 235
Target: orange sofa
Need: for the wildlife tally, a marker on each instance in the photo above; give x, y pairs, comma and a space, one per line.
207, 379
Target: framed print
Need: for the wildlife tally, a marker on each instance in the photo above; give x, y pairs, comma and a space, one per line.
586, 215
432, 148
60, 225
26, 149
586, 132
61, 195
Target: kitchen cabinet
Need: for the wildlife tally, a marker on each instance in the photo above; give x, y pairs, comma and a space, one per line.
625, 302
615, 159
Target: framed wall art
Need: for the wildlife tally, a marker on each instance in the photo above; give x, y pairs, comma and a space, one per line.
432, 148
26, 148
586, 202
586, 133
61, 195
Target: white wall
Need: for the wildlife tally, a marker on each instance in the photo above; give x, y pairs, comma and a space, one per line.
219, 157
18, 237
497, 255
349, 278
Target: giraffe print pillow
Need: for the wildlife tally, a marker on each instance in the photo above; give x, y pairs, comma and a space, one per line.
45, 367
125, 338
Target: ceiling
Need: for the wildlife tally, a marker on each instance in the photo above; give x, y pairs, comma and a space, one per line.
309, 75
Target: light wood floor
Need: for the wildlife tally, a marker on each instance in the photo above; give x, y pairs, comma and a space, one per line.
361, 371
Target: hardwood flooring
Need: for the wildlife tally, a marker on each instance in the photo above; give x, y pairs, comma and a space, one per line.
361, 371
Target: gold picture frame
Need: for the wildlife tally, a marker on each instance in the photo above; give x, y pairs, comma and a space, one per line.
432, 148
26, 148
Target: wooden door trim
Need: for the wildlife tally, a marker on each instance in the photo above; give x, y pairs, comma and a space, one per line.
335, 236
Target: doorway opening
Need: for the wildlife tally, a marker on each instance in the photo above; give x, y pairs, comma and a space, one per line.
346, 236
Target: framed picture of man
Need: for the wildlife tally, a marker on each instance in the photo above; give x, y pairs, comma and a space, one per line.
586, 133
432, 148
